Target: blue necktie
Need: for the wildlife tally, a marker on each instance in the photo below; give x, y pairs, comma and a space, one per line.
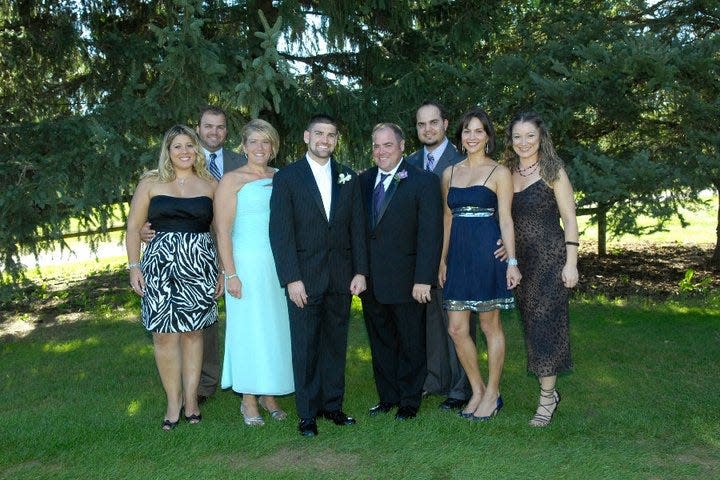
212, 166
430, 163
379, 193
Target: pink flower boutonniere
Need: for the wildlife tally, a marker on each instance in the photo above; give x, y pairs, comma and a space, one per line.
401, 175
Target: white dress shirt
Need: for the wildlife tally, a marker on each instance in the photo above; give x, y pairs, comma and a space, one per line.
323, 179
389, 179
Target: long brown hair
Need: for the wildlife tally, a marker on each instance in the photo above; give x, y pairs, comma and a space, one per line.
549, 161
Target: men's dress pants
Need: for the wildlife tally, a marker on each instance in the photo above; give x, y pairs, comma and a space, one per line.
210, 374
445, 375
397, 341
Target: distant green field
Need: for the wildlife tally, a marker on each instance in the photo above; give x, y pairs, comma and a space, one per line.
701, 228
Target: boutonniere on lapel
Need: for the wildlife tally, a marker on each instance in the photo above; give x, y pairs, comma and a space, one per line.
399, 176
344, 178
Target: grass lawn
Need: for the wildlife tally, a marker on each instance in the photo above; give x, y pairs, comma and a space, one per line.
701, 229
81, 398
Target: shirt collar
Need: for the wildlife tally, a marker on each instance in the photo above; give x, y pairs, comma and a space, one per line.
316, 167
439, 150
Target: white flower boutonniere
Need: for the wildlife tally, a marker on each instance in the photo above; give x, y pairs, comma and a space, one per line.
344, 178
401, 175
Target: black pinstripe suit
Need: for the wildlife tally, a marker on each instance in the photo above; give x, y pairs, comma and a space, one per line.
404, 246
324, 254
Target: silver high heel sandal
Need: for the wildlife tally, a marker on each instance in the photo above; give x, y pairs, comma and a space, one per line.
251, 421
278, 414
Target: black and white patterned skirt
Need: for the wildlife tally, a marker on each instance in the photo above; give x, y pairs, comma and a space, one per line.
180, 271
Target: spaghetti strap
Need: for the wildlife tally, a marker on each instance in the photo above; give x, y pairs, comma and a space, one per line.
490, 175
452, 170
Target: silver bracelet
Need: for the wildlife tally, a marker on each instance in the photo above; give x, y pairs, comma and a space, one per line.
133, 265
512, 262
228, 277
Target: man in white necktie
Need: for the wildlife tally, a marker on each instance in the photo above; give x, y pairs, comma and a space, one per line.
212, 130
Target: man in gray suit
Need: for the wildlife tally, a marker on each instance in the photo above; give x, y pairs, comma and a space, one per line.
445, 375
212, 130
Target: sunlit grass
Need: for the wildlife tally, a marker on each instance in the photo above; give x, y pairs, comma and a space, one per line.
701, 228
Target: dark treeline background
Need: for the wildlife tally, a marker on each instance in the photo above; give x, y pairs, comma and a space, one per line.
630, 89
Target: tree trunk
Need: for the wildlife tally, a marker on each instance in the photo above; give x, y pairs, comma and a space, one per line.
602, 230
715, 260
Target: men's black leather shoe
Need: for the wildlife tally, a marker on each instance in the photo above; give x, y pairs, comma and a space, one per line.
307, 427
406, 413
338, 417
452, 404
382, 407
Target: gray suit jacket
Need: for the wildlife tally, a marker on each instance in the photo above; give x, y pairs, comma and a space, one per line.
450, 156
232, 160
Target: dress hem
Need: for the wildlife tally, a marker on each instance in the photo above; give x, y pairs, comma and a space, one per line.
479, 305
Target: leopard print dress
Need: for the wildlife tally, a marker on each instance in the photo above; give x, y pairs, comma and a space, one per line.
542, 299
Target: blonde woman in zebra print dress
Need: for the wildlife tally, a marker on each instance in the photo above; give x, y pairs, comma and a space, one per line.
177, 277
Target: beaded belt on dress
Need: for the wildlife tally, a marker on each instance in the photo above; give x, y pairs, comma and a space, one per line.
470, 211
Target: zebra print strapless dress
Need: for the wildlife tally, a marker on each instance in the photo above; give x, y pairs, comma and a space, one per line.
179, 266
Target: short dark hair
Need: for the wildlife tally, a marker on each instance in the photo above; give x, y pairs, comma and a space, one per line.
213, 110
433, 103
399, 135
321, 118
480, 114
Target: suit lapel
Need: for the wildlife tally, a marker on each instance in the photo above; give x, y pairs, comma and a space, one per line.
444, 162
309, 180
334, 189
390, 192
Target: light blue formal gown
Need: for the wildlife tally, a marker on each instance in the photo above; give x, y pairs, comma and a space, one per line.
258, 357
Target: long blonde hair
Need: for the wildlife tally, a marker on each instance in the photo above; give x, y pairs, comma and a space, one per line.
165, 172
549, 161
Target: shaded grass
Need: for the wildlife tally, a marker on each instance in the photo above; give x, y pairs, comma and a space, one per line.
82, 399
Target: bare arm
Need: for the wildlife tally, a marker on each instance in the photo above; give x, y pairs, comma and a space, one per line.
136, 218
504, 191
447, 224
224, 210
566, 205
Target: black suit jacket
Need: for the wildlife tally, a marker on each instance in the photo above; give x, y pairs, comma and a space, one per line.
405, 240
324, 253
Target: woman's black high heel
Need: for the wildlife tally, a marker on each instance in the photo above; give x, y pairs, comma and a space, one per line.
167, 425
544, 419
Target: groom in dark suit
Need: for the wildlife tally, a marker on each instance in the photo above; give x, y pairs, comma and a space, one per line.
404, 231
317, 235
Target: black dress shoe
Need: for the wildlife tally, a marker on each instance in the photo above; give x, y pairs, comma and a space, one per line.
406, 413
338, 417
452, 404
308, 427
382, 407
